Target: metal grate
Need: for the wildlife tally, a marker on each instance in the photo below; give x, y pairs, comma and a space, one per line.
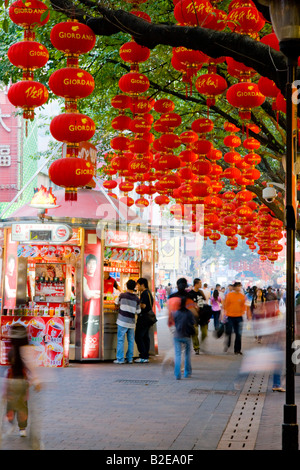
242, 429
137, 382
205, 391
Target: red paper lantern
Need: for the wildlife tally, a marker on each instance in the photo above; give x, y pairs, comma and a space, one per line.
164, 105
162, 200
126, 186
28, 55
121, 123
28, 14
28, 95
211, 85
72, 38
71, 83
134, 83
121, 101
192, 13
245, 96
134, 53
202, 125
72, 127
110, 184
71, 173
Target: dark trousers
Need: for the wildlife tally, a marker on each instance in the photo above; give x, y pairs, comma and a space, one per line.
235, 324
142, 340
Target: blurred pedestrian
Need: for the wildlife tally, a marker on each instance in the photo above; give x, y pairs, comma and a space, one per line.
142, 328
21, 374
258, 311
129, 306
184, 328
197, 295
235, 308
173, 304
162, 296
216, 305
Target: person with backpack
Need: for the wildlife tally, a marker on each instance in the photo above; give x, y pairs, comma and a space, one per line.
184, 329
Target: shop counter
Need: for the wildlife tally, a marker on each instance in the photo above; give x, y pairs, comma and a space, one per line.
49, 335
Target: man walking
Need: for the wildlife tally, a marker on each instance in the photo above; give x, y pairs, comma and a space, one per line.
234, 309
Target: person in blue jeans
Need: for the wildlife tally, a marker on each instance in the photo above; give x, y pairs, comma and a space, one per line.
129, 306
184, 329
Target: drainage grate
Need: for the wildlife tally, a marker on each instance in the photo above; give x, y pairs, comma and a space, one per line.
242, 429
201, 391
137, 382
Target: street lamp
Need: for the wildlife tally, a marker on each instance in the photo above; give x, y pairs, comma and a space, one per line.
285, 18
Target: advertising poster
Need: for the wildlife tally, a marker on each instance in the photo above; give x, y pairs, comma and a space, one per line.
10, 280
91, 297
46, 334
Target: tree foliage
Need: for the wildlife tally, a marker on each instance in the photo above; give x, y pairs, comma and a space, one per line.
113, 24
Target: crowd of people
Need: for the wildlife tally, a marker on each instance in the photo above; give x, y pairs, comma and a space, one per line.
227, 309
190, 311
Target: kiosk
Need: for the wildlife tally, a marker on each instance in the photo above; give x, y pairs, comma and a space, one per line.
61, 275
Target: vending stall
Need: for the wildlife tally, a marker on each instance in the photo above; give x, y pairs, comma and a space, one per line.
61, 276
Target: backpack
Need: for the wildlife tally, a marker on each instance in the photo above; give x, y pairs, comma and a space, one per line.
184, 323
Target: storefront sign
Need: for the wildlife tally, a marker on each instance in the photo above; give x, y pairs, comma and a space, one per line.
48, 253
9, 145
55, 233
128, 239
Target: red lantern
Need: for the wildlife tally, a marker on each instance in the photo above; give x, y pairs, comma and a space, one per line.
72, 127
134, 83
121, 101
245, 20
211, 85
164, 105
171, 120
162, 200
202, 147
268, 88
71, 173
134, 53
232, 141
28, 14
71, 83
232, 157
142, 203
192, 13
121, 123
110, 184
202, 125
188, 137
28, 55
245, 96
28, 95
72, 38
201, 167
126, 186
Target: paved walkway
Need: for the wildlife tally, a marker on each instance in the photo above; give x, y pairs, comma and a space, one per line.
103, 406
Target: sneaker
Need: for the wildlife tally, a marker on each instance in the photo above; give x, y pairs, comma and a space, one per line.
119, 362
141, 361
128, 361
22, 432
278, 389
197, 352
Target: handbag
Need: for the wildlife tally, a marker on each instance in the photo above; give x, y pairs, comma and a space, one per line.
150, 317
